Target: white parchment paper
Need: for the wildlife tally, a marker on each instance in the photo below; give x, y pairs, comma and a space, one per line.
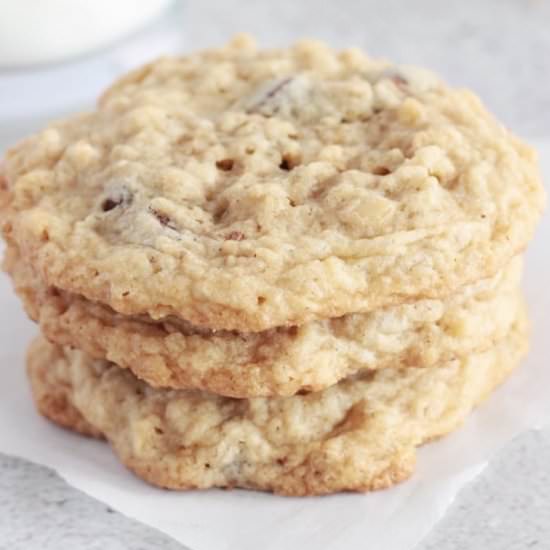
395, 519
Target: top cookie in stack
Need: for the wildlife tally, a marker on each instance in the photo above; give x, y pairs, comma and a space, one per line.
218, 211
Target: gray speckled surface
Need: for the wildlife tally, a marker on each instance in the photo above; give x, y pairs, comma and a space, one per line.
499, 48
38, 510
506, 508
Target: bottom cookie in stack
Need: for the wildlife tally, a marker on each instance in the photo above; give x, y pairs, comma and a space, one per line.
358, 435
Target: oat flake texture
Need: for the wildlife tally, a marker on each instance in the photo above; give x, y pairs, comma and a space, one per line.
282, 361
357, 435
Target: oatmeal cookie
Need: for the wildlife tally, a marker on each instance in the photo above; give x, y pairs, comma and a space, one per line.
245, 189
174, 354
358, 435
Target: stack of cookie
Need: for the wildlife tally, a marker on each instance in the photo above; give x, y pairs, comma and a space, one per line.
273, 269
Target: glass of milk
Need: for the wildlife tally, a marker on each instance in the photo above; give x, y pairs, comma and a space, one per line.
56, 56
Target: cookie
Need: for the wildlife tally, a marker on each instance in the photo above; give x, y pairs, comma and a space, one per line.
52, 390
280, 361
246, 189
4, 195
357, 435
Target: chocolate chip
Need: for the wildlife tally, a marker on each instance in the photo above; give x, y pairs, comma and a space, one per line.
53, 291
289, 161
293, 331
284, 165
117, 195
235, 236
381, 171
109, 204
163, 218
225, 164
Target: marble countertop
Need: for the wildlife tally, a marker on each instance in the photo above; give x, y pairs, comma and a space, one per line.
497, 47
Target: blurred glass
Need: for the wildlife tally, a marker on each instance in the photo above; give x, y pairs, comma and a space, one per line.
57, 56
